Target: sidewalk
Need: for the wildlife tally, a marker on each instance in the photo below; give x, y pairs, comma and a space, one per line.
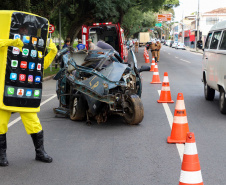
193, 50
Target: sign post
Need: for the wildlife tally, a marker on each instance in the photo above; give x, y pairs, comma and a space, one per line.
164, 17
51, 30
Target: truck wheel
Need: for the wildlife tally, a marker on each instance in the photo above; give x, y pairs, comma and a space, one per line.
209, 92
222, 101
134, 112
77, 109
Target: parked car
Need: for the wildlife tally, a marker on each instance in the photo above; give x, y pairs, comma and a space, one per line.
174, 44
214, 65
171, 42
163, 40
98, 83
168, 42
180, 45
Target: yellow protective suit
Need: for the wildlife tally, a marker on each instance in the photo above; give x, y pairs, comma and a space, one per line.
30, 119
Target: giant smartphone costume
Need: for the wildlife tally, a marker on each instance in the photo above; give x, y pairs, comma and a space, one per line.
23, 38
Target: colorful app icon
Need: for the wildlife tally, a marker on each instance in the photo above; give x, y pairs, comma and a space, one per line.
34, 40
30, 78
39, 66
13, 76
14, 63
20, 92
26, 39
41, 42
31, 65
28, 92
16, 51
36, 93
33, 53
37, 79
25, 52
16, 36
22, 77
10, 91
39, 54
23, 64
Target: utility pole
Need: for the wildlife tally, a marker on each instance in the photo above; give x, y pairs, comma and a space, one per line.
60, 28
183, 27
197, 28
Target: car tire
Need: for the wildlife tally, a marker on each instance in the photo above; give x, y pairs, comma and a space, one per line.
134, 112
78, 109
208, 92
222, 101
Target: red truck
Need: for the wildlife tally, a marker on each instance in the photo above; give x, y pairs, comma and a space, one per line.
112, 34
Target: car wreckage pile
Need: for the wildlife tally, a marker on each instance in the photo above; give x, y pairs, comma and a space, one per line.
97, 83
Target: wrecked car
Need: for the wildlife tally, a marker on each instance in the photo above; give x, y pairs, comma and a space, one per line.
97, 83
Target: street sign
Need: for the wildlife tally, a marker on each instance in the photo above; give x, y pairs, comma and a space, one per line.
164, 17
51, 28
158, 24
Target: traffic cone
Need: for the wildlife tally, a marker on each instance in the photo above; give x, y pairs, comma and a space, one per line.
155, 78
165, 96
190, 168
152, 64
145, 51
180, 122
147, 59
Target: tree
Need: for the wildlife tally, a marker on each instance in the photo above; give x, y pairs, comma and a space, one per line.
75, 13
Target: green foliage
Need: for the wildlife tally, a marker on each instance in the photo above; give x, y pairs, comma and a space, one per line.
135, 15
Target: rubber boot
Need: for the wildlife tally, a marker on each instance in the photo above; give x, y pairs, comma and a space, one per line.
3, 147
38, 141
156, 59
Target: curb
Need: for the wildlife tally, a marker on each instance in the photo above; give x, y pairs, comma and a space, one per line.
48, 78
193, 50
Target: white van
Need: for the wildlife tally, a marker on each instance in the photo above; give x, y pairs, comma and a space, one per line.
214, 64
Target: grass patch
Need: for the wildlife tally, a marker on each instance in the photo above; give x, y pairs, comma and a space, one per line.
47, 71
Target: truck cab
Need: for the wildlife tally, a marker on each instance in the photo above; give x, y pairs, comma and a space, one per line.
112, 34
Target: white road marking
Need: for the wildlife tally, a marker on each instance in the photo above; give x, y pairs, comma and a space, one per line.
180, 147
185, 61
48, 95
19, 118
169, 53
176, 57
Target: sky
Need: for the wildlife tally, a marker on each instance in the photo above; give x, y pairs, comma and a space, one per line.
189, 6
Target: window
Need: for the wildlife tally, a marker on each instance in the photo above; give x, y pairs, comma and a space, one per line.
223, 41
215, 40
208, 40
212, 20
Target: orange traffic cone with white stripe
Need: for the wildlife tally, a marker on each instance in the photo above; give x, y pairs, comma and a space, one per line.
190, 168
180, 122
165, 96
152, 64
145, 51
155, 78
147, 58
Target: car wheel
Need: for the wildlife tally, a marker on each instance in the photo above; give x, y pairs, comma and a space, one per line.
222, 101
209, 92
78, 109
134, 110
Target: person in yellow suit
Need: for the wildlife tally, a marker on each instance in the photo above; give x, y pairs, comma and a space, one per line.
158, 50
30, 119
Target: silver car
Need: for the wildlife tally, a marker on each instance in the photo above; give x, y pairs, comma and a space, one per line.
180, 45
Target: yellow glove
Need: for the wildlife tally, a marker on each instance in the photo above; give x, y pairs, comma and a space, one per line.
51, 55
11, 42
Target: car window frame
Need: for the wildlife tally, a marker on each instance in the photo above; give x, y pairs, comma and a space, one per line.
208, 47
222, 34
218, 40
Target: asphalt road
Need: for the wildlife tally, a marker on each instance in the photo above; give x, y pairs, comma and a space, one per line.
114, 153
